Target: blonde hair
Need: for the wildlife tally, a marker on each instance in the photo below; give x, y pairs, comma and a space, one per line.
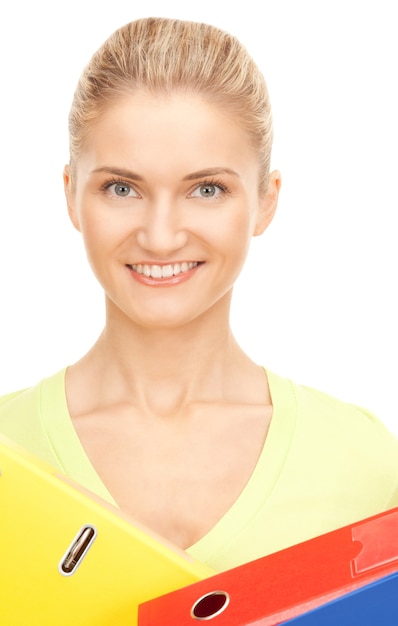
164, 55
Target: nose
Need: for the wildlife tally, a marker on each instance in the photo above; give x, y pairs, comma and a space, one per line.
162, 232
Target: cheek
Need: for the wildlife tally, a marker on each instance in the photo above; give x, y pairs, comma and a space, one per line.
231, 237
99, 240
94, 238
238, 229
99, 229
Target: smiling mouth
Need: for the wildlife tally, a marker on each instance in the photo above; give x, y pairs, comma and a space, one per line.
164, 271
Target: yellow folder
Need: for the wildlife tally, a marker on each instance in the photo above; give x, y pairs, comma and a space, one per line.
67, 558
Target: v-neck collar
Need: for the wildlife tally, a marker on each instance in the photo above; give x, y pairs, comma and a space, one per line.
75, 463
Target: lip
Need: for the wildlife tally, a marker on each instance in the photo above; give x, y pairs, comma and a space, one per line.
166, 281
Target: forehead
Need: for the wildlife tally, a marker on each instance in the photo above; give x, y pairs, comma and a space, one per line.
180, 129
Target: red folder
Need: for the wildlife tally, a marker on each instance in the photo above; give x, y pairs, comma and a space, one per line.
283, 585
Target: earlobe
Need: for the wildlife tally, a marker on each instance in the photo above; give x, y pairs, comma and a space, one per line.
70, 197
268, 203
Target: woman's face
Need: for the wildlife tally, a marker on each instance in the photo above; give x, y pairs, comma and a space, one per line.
165, 194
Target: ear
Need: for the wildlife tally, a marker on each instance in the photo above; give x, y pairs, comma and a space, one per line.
268, 203
70, 196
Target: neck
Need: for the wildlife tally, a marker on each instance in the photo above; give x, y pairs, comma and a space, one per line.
164, 369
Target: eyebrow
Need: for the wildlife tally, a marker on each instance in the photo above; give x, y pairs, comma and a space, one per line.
210, 171
117, 171
125, 173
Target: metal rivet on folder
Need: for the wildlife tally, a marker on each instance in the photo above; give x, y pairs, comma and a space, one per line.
210, 605
77, 550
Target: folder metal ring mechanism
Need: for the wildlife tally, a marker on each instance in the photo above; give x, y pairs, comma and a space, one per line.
68, 558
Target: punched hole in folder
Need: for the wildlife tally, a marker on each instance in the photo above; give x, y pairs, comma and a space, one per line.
210, 605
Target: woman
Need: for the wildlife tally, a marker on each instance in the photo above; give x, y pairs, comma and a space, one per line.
168, 181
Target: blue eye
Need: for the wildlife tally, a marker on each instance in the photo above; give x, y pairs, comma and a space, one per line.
208, 190
121, 189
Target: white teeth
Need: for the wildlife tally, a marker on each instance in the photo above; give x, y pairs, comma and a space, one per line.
156, 271
163, 271
167, 271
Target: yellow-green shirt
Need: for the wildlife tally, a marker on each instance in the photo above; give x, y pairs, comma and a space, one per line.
324, 464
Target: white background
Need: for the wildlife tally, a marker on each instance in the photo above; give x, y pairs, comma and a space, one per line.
317, 300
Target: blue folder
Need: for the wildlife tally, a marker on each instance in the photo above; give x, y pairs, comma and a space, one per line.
375, 604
